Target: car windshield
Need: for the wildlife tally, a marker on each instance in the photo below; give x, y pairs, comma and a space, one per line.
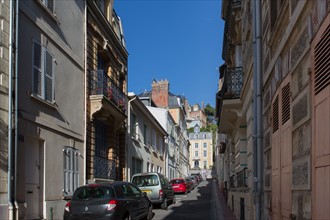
146, 180
93, 192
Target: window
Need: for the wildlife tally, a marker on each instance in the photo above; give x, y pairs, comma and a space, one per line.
101, 149
43, 73
205, 163
196, 145
134, 126
148, 167
71, 170
196, 153
205, 145
136, 166
49, 4
153, 140
205, 153
145, 134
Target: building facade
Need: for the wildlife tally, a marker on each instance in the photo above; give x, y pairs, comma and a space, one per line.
201, 150
172, 148
295, 108
50, 130
146, 140
161, 97
106, 93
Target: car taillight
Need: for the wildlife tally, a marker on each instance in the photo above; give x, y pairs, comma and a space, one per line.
67, 207
160, 193
111, 205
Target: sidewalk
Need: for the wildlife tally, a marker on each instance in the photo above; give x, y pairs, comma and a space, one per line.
223, 212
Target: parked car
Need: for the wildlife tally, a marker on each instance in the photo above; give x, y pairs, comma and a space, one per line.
194, 180
189, 183
115, 200
156, 186
181, 185
199, 177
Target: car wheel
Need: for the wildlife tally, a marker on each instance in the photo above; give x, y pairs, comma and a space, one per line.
127, 217
149, 214
164, 205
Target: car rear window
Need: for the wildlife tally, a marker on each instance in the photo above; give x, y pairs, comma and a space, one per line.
176, 181
146, 180
93, 192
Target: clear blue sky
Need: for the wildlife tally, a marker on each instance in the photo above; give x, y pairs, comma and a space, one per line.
177, 40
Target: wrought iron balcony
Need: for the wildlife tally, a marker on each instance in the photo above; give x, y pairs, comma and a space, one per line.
101, 84
232, 84
241, 178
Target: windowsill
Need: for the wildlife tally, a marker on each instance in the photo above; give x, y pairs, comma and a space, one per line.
52, 105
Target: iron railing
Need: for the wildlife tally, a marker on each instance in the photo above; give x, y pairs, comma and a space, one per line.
101, 84
232, 181
104, 168
233, 82
241, 178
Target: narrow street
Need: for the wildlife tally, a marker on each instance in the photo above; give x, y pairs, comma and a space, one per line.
198, 204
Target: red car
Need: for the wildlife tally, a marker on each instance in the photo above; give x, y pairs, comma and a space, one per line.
179, 185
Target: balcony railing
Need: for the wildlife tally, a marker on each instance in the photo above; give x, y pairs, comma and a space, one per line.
233, 82
101, 84
241, 178
104, 168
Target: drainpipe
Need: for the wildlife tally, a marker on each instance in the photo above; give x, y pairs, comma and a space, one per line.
85, 104
128, 153
10, 116
257, 114
16, 106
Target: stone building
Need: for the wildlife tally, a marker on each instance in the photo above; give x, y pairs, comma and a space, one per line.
295, 107
201, 150
146, 151
106, 94
161, 97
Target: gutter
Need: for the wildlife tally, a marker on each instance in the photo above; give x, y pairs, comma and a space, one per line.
85, 104
257, 114
128, 153
10, 116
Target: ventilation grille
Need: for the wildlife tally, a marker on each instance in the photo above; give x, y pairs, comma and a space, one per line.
285, 103
275, 115
322, 62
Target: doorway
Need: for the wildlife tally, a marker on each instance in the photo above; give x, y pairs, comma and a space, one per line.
34, 169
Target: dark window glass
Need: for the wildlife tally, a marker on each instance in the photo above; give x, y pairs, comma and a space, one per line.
93, 192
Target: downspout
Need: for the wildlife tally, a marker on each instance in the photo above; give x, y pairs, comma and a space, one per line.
86, 96
128, 152
10, 116
16, 106
257, 114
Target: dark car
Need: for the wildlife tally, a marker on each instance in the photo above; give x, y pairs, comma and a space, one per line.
115, 200
157, 187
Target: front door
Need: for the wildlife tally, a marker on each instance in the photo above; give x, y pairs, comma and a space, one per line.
33, 178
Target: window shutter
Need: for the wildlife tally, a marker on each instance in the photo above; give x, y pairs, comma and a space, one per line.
275, 115
285, 103
322, 62
49, 81
37, 70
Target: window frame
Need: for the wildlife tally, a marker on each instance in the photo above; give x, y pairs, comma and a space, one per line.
47, 4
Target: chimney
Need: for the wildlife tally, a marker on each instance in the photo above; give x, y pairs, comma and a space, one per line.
160, 93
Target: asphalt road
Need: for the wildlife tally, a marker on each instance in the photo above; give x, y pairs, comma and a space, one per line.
198, 204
